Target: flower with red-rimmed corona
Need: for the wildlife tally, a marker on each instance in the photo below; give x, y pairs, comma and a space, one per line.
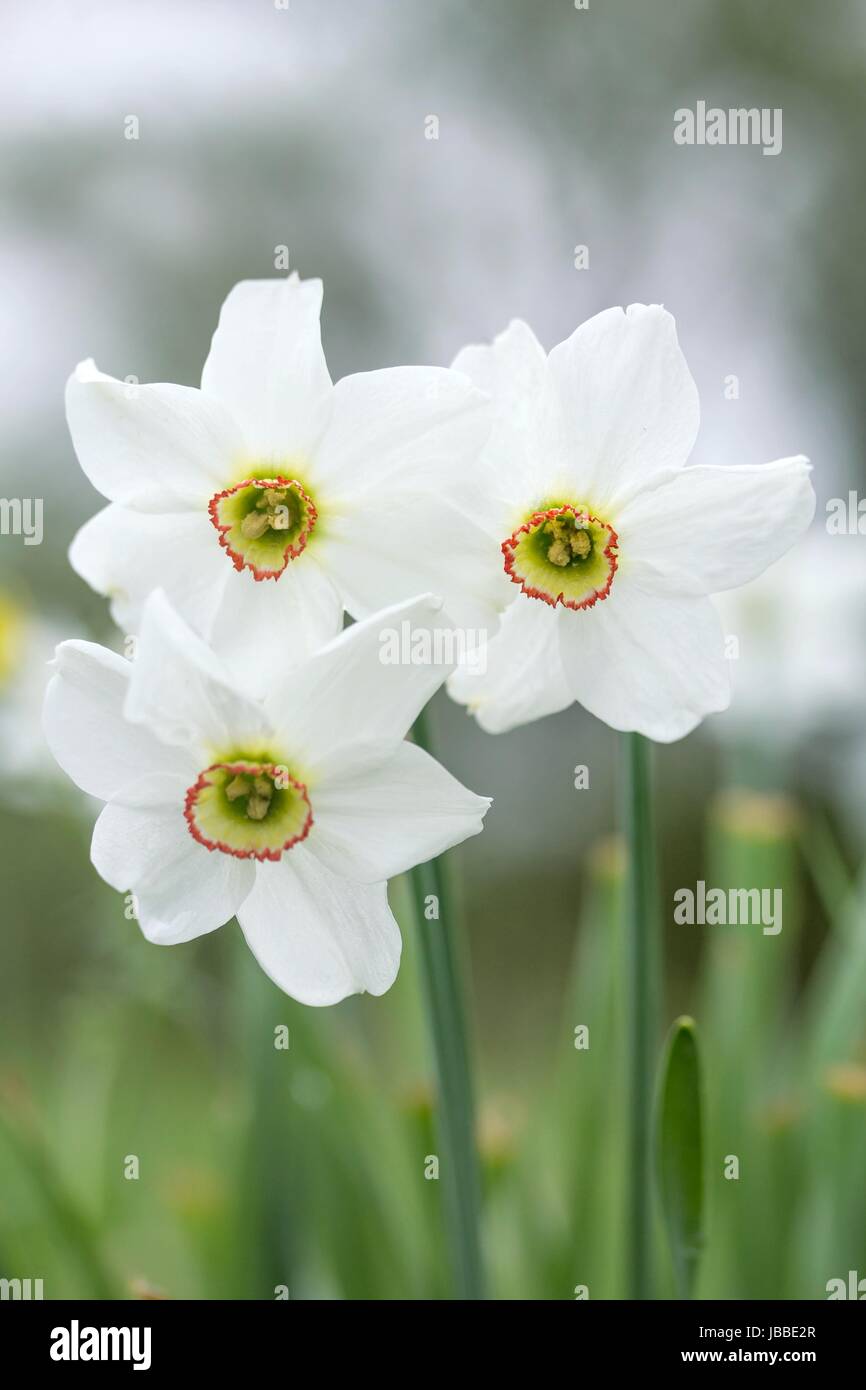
562, 548
606, 544
290, 812
271, 499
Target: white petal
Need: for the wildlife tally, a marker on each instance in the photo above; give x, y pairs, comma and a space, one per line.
182, 691
411, 543
647, 663
630, 403
142, 844
527, 435
705, 529
263, 627
160, 446
317, 936
359, 694
514, 365
85, 727
386, 819
126, 554
266, 364
524, 679
416, 426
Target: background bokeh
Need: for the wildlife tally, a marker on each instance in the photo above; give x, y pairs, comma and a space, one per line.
304, 126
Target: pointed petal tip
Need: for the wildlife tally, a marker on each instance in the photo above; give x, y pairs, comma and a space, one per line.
84, 373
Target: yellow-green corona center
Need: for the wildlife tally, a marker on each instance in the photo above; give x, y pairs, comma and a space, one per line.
263, 523
567, 540
563, 555
274, 509
249, 809
254, 790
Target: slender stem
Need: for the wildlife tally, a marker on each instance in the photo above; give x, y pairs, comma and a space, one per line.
642, 937
446, 1019
824, 860
271, 1207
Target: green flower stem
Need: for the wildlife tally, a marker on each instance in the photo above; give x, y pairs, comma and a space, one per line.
642, 953
440, 981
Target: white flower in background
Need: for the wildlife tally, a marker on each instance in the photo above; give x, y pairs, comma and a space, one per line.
800, 633
291, 812
270, 499
606, 545
26, 643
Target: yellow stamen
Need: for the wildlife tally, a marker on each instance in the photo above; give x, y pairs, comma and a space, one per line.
238, 786
570, 541
254, 525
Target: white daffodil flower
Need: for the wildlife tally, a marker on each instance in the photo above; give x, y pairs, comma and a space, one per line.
607, 547
30, 774
290, 813
777, 624
270, 499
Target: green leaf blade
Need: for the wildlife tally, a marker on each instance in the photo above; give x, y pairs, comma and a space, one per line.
679, 1148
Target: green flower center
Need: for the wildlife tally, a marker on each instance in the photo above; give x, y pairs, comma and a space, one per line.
565, 540
247, 808
563, 554
272, 509
255, 790
263, 523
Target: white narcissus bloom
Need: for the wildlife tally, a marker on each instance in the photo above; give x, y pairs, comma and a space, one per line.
607, 547
291, 812
270, 499
779, 623
29, 773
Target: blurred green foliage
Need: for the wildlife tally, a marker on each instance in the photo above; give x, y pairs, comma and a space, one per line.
304, 1168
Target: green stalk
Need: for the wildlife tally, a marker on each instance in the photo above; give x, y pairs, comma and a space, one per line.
642, 953
440, 982
272, 1180
829, 872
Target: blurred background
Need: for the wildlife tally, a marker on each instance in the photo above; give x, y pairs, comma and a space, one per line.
304, 126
